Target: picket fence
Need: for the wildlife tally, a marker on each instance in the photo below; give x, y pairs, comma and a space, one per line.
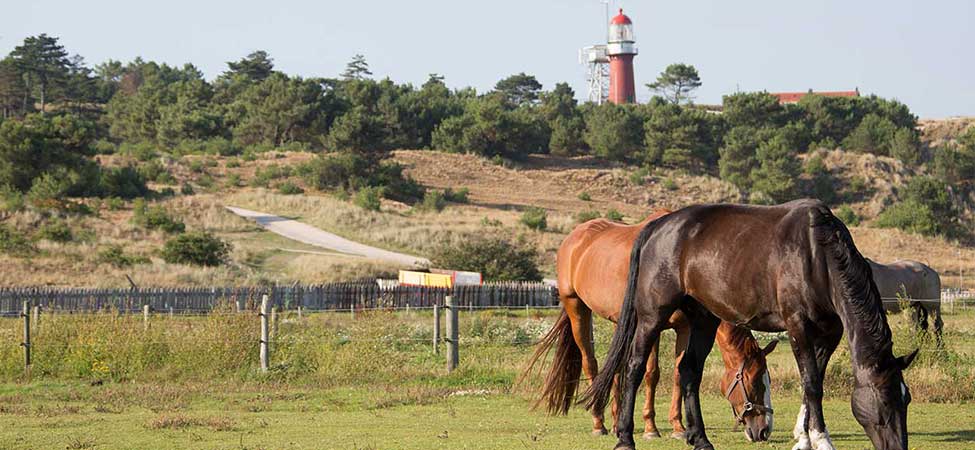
318, 297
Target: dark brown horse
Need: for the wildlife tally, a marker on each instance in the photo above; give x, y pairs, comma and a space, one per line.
790, 267
593, 263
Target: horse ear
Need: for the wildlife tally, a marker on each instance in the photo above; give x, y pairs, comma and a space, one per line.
768, 348
905, 361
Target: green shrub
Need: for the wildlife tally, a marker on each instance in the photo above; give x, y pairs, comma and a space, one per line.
196, 166
11, 200
289, 188
143, 151
458, 196
848, 216
433, 201
232, 163
155, 218
670, 184
614, 215
213, 146
196, 248
55, 231
496, 258
155, 171
186, 189
14, 242
233, 180
586, 216
123, 182
584, 196
114, 204
264, 176
205, 181
103, 147
535, 218
822, 184
115, 256
639, 176
369, 198
909, 216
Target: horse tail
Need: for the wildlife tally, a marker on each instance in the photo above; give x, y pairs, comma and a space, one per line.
855, 282
562, 380
934, 287
620, 348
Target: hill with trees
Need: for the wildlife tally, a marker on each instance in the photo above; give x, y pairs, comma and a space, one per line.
80, 144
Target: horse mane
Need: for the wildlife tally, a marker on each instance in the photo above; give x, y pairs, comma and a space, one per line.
860, 293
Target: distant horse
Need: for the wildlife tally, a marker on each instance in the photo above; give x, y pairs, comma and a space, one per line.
917, 284
791, 267
593, 262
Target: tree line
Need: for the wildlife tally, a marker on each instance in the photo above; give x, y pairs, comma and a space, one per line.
57, 111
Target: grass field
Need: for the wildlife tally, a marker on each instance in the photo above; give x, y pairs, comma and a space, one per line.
268, 417
102, 381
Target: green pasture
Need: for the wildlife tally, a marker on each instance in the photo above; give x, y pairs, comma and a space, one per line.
373, 382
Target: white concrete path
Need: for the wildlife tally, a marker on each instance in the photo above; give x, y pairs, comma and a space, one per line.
301, 232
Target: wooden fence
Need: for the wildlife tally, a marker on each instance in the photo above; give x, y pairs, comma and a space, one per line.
322, 297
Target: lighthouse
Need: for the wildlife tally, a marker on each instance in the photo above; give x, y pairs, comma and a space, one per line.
621, 48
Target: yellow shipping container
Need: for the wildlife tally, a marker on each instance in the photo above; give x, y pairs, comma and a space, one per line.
408, 277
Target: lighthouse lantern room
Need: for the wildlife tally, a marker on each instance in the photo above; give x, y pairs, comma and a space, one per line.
621, 49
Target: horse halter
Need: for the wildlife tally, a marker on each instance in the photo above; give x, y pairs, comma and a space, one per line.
758, 408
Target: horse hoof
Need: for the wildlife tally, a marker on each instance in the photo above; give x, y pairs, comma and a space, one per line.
624, 447
600, 432
651, 435
705, 447
677, 435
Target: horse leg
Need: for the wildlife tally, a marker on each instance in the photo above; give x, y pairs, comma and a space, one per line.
647, 332
581, 318
703, 326
652, 378
812, 350
938, 323
683, 333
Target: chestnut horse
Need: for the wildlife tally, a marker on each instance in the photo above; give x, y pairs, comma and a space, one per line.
593, 262
791, 267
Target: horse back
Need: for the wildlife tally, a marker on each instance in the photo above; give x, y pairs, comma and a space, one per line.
593, 262
738, 260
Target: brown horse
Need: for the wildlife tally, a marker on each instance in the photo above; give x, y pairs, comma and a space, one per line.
593, 262
791, 267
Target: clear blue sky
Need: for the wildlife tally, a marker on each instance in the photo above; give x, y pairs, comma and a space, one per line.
918, 52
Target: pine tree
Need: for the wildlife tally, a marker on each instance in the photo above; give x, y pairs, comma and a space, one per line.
357, 69
44, 62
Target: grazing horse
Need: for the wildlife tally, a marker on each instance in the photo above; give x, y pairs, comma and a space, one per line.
791, 267
593, 263
916, 283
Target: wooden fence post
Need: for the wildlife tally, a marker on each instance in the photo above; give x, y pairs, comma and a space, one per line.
299, 313
436, 329
453, 334
26, 343
145, 317
264, 334
35, 317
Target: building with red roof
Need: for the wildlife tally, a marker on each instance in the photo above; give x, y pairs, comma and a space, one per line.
794, 97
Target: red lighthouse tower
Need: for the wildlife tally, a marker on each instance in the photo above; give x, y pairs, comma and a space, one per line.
621, 49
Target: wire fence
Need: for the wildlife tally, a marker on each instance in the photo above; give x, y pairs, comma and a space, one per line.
320, 297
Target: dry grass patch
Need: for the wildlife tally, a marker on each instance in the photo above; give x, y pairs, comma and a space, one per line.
180, 421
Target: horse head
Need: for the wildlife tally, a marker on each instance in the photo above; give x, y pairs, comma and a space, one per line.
749, 390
